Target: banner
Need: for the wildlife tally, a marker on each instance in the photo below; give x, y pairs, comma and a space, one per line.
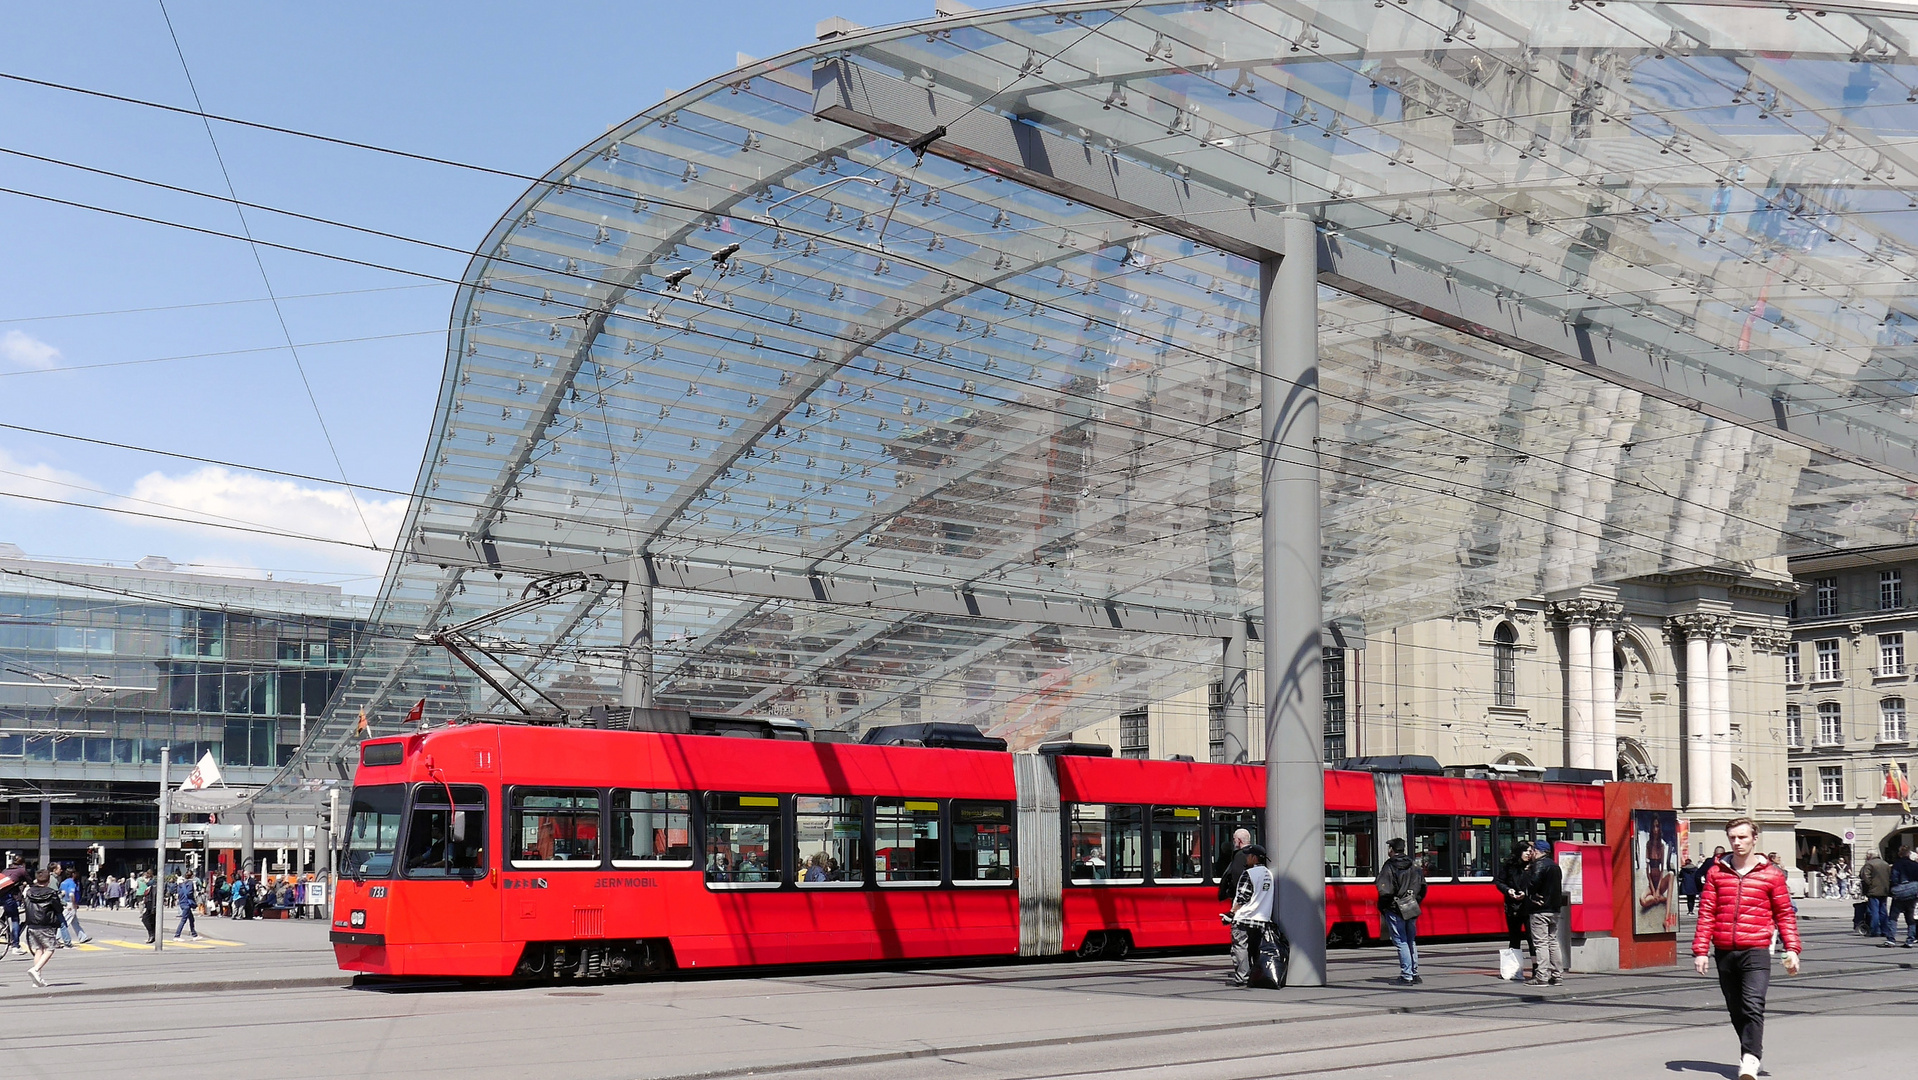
84, 834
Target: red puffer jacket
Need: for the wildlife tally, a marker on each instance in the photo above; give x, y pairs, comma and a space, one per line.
1737, 912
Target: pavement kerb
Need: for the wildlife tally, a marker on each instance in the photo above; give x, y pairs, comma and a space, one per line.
212, 985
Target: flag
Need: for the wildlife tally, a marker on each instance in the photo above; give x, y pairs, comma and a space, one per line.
1898, 786
363, 728
418, 710
204, 775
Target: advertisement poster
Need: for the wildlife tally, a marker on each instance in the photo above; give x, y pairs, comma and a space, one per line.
1655, 871
1685, 839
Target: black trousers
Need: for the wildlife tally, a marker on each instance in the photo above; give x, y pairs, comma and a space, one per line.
1517, 932
1744, 975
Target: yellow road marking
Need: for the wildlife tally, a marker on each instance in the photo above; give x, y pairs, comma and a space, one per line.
217, 941
89, 948
127, 944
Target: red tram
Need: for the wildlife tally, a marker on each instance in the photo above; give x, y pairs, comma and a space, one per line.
489, 849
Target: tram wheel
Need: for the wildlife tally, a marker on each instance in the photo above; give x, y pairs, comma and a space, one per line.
1118, 946
1093, 946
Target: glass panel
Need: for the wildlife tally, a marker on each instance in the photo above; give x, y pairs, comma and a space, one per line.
443, 842
1350, 839
1177, 844
554, 827
831, 838
1105, 843
652, 827
1475, 854
982, 845
743, 839
906, 839
1432, 844
373, 830
1225, 822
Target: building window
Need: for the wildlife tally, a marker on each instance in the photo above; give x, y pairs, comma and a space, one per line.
1332, 667
1831, 724
1891, 654
1795, 787
1794, 727
1828, 660
1831, 783
1827, 596
1793, 674
1891, 720
1891, 590
1505, 665
1215, 721
1134, 734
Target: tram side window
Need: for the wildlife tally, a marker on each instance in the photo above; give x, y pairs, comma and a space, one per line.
1586, 831
907, 847
373, 830
1432, 844
982, 848
1105, 843
652, 828
446, 841
1476, 856
831, 838
1513, 832
744, 845
1351, 837
555, 827
1226, 821
1176, 844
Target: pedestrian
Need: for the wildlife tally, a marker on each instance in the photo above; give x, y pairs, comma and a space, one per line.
1231, 865
148, 915
1689, 876
71, 932
1544, 892
1874, 881
1744, 902
242, 890
13, 882
1251, 914
40, 906
1511, 891
1401, 889
1904, 899
186, 893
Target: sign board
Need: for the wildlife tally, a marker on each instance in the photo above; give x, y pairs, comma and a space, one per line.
84, 834
316, 893
1571, 864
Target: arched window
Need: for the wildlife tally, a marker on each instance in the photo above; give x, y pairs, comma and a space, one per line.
1891, 720
1505, 665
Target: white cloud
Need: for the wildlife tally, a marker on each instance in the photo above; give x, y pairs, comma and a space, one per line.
39, 480
210, 497
22, 350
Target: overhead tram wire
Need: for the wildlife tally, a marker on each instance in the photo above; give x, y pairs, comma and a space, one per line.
5, 319
1172, 344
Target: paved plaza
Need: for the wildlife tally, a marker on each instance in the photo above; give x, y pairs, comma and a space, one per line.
274, 996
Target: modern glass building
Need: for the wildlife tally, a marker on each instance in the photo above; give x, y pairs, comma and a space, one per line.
101, 666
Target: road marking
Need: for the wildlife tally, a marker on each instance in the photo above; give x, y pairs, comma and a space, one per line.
88, 948
217, 941
127, 944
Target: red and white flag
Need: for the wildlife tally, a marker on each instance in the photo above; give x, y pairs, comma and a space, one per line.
204, 775
418, 711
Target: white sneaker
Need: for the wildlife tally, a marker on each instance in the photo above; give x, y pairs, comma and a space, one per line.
37, 980
1748, 1068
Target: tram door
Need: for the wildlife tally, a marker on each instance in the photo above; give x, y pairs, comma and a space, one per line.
451, 894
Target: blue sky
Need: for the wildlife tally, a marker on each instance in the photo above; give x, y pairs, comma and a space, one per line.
128, 331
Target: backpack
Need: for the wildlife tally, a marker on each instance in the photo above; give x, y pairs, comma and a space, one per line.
41, 906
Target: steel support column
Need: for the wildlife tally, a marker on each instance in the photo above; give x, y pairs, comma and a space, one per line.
249, 833
46, 835
636, 631
1294, 619
1237, 701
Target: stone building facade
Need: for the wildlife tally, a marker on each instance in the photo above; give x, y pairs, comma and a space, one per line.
1849, 689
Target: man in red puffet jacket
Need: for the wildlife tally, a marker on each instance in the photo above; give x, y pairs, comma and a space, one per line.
1742, 902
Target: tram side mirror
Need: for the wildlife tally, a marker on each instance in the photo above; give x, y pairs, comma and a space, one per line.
459, 826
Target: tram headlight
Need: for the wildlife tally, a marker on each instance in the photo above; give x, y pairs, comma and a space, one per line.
357, 919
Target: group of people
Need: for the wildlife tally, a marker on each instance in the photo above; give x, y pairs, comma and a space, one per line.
1891, 893
1533, 888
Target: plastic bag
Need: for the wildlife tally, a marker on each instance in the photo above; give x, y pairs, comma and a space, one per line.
1510, 963
1272, 961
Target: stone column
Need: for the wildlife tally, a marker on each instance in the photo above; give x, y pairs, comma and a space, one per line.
1721, 679
1695, 632
1605, 694
1578, 691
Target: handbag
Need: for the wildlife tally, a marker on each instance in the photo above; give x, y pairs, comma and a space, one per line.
1407, 905
1510, 963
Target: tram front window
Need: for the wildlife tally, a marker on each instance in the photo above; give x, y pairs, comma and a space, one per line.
373, 830
446, 841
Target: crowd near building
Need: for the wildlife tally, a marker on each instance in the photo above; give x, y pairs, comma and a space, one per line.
101, 666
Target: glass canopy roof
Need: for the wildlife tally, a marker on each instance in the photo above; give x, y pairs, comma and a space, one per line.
908, 437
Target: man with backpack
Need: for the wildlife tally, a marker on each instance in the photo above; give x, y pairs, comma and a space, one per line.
1401, 888
42, 910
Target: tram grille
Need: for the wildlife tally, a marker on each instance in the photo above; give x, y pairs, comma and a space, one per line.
589, 922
